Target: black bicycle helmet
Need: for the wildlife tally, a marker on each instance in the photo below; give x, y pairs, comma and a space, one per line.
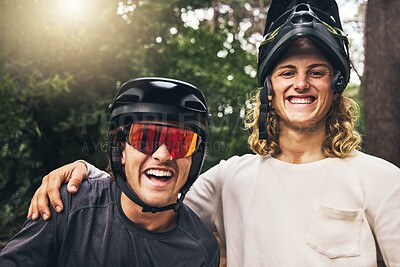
323, 27
287, 21
161, 100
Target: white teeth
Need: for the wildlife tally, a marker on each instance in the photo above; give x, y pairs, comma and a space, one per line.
159, 173
295, 100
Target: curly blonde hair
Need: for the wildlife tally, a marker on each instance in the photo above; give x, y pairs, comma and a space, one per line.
340, 140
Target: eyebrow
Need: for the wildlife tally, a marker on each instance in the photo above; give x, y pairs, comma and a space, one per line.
319, 65
289, 66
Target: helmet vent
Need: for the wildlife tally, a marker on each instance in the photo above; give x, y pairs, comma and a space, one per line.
302, 19
302, 7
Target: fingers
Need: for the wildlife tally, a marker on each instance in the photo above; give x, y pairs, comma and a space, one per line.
33, 210
73, 173
50, 189
55, 180
73, 185
78, 174
39, 204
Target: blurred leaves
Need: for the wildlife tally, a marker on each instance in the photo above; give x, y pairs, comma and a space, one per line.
60, 67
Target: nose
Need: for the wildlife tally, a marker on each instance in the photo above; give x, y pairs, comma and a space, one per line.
301, 83
162, 154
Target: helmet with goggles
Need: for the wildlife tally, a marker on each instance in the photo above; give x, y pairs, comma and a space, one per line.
323, 27
151, 112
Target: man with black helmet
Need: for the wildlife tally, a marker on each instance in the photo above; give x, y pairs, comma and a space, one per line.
309, 197
157, 135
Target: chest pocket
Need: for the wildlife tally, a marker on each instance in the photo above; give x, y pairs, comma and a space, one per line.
335, 233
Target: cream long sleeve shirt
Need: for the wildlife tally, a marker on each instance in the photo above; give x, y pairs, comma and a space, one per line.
333, 212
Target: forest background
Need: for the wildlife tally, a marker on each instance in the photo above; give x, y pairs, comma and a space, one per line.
61, 62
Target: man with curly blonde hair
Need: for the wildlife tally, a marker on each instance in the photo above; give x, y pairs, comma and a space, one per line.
341, 136
308, 197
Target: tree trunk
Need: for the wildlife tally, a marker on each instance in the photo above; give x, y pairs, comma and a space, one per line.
381, 79
214, 21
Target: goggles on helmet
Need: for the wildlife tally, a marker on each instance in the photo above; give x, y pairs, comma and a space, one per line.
148, 137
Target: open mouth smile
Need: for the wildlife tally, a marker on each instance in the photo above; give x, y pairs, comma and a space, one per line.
301, 100
159, 175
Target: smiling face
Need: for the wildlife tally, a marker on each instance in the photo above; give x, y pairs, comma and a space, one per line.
155, 179
302, 87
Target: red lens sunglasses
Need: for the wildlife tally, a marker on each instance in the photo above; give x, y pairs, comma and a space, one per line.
148, 137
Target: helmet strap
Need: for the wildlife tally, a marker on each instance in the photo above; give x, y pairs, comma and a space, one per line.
265, 107
179, 202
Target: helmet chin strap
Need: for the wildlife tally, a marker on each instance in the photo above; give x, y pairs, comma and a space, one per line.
265, 107
146, 208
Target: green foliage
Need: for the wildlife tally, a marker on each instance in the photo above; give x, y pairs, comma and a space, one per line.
59, 70
16, 134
